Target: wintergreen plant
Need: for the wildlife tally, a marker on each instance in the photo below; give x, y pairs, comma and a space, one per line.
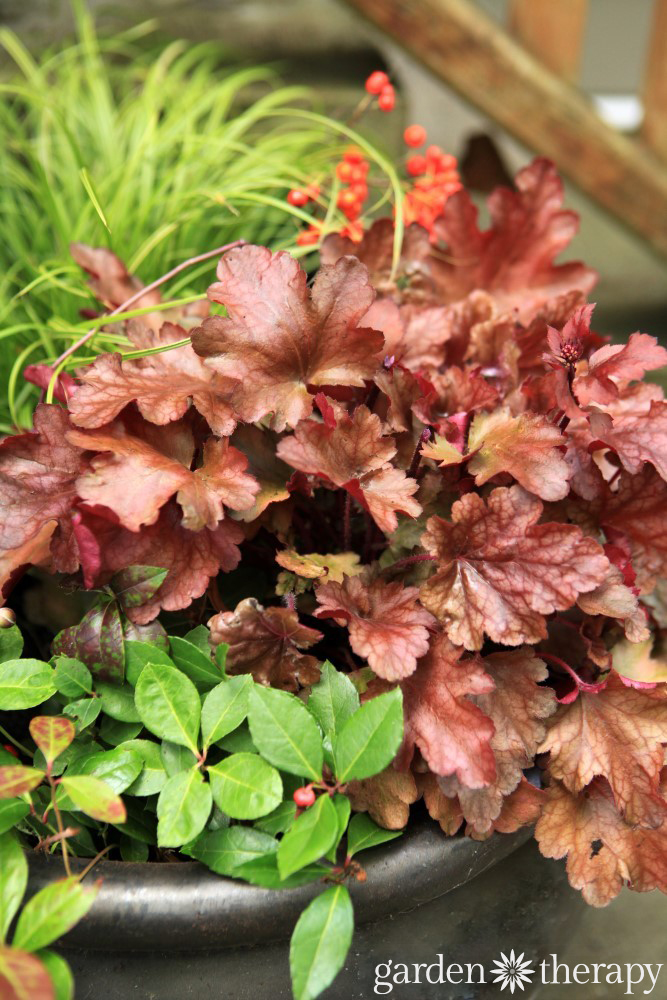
151, 761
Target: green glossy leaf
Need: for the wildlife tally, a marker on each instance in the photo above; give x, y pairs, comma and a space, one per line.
52, 734
225, 708
94, 797
264, 872
199, 637
114, 733
28, 976
197, 664
12, 812
238, 741
84, 712
176, 758
183, 807
138, 654
320, 942
284, 732
13, 880
118, 701
133, 850
368, 741
140, 823
279, 820
60, 974
6, 757
153, 776
244, 786
169, 705
11, 643
363, 833
333, 700
119, 767
220, 656
224, 850
342, 807
310, 837
72, 677
16, 780
24, 684
52, 912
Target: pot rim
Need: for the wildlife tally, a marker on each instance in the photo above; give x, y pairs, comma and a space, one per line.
157, 906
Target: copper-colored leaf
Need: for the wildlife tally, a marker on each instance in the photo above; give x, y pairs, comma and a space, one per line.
597, 380
139, 472
602, 850
267, 643
386, 797
277, 339
191, 557
526, 447
451, 732
444, 810
616, 600
514, 259
619, 734
23, 976
110, 281
495, 568
38, 471
385, 624
636, 438
518, 706
353, 453
637, 512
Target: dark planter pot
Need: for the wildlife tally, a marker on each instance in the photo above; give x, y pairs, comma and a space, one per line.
171, 931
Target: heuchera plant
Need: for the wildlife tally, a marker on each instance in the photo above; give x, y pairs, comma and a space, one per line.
425, 467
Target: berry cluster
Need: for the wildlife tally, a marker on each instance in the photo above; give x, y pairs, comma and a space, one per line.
434, 172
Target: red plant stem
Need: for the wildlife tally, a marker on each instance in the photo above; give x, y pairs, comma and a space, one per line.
417, 457
145, 290
347, 524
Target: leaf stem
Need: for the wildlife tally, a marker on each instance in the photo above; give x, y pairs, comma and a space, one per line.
19, 746
59, 824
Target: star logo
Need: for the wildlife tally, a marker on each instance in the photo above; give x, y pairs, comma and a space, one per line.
512, 971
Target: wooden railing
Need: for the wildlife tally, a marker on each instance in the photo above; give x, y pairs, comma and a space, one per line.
524, 79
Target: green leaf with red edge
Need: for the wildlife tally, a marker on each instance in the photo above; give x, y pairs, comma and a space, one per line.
16, 780
23, 977
52, 734
95, 798
60, 973
52, 912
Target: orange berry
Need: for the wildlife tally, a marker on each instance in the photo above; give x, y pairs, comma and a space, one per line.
359, 190
376, 82
414, 135
346, 199
387, 99
307, 237
360, 171
353, 155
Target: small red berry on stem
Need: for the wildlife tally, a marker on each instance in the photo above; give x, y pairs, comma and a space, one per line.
387, 98
414, 135
304, 797
297, 198
416, 165
376, 82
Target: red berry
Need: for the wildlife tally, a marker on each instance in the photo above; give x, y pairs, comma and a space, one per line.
387, 99
414, 135
304, 797
359, 171
308, 237
9, 748
297, 198
359, 190
416, 165
376, 82
344, 171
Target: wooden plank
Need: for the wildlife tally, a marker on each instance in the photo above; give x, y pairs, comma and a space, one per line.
553, 30
477, 58
654, 128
